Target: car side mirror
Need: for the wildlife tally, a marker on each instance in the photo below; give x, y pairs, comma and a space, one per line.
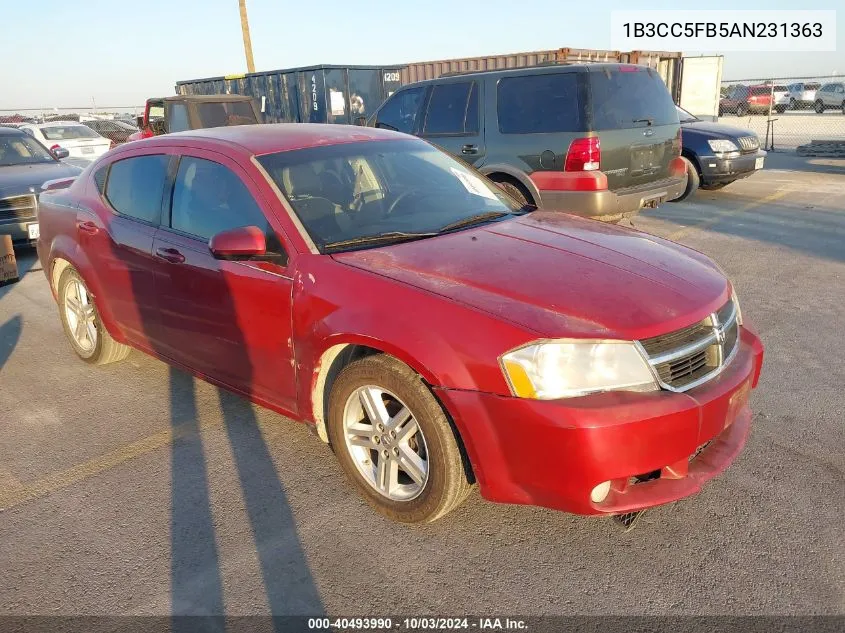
60, 153
243, 242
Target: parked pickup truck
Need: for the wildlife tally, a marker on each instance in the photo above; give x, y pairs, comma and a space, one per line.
191, 112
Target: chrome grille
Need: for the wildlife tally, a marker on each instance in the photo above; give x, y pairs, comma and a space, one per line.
693, 355
749, 144
18, 207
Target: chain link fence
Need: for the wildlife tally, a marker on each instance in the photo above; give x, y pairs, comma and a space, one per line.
115, 123
803, 114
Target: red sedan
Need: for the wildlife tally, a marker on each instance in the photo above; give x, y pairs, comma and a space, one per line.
434, 331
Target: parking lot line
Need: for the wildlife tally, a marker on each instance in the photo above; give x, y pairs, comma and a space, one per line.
728, 213
13, 495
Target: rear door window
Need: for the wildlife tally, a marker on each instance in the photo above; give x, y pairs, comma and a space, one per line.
448, 110
624, 99
531, 104
135, 186
400, 111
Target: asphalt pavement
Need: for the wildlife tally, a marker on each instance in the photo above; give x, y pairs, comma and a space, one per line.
135, 489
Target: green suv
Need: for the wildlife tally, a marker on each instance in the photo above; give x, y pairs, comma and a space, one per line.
598, 140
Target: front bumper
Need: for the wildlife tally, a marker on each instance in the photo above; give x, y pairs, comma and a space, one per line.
553, 453
715, 170
612, 206
18, 230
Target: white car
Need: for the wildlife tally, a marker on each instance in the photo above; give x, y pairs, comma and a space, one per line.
780, 94
830, 96
802, 95
78, 139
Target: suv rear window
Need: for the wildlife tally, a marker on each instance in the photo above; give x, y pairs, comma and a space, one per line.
226, 113
545, 103
761, 90
624, 99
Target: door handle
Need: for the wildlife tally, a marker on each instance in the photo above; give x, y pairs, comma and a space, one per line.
469, 149
88, 227
170, 255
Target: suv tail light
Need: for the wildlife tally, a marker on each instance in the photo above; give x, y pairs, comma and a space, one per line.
584, 154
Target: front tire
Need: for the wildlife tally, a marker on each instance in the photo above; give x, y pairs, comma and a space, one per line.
82, 323
819, 107
741, 109
693, 180
394, 441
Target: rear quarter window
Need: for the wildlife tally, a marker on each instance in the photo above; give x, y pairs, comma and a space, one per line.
546, 103
630, 99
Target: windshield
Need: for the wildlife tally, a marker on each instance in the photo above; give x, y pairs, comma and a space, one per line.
22, 150
684, 116
226, 113
391, 189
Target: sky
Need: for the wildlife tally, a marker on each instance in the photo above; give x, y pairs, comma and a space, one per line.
72, 54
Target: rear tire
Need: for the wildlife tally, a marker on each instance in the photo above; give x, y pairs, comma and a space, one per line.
424, 473
513, 188
780, 109
693, 180
819, 107
82, 324
741, 109
792, 104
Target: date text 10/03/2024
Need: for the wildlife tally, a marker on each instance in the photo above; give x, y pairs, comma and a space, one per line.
417, 624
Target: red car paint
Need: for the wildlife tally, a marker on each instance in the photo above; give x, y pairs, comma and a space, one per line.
262, 330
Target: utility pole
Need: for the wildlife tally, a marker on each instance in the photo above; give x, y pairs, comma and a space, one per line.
250, 64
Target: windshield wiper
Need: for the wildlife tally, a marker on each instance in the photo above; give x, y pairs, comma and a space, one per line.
385, 238
479, 218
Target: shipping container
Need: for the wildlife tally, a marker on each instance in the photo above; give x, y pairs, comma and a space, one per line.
312, 94
667, 64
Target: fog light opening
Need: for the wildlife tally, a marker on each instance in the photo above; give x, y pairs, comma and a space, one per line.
600, 492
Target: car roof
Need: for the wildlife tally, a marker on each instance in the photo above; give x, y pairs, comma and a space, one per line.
267, 138
57, 123
11, 131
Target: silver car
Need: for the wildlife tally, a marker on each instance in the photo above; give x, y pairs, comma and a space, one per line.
802, 94
830, 96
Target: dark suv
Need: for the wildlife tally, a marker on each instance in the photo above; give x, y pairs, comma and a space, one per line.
599, 140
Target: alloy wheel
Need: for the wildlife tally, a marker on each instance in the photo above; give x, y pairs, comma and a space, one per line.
386, 443
79, 311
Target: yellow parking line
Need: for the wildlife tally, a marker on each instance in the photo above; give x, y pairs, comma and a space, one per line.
725, 214
15, 495
13, 492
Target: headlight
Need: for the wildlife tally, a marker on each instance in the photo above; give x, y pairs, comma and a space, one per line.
723, 146
565, 369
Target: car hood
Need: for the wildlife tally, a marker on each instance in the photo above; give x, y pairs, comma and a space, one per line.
559, 275
715, 130
21, 179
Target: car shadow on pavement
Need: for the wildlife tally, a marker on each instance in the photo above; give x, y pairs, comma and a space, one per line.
815, 230
10, 334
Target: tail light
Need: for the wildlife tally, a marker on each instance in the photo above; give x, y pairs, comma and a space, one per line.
584, 154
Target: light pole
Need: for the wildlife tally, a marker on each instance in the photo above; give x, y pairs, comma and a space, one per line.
250, 64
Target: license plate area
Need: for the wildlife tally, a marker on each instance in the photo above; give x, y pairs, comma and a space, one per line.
646, 159
758, 164
33, 231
